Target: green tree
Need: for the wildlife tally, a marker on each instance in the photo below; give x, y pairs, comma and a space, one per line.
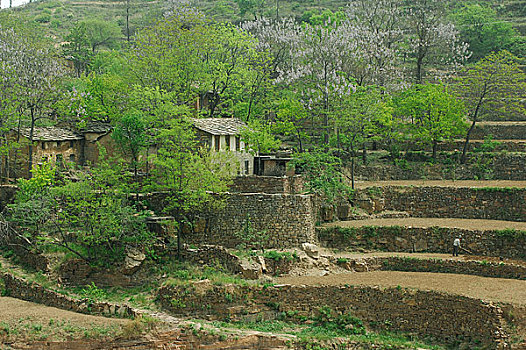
130, 136
102, 33
77, 49
290, 121
323, 174
254, 7
361, 118
435, 114
189, 173
494, 85
483, 31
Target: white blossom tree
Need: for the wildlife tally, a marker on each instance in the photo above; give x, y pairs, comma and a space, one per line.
30, 74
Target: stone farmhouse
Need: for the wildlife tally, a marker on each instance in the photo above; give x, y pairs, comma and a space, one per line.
224, 134
59, 146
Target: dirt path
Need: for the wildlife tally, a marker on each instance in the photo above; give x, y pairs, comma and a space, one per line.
473, 224
444, 183
494, 289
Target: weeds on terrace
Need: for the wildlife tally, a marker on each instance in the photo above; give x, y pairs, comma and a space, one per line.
182, 273
30, 329
278, 256
497, 189
511, 233
327, 326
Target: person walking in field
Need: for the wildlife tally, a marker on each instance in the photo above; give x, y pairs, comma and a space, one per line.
456, 246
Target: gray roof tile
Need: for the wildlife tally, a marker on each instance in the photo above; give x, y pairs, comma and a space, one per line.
220, 126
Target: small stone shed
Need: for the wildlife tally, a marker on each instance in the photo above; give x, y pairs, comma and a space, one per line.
224, 134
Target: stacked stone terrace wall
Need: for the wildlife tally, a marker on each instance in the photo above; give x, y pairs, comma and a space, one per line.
288, 220
512, 131
7, 194
452, 202
448, 318
268, 184
502, 167
434, 239
470, 267
21, 289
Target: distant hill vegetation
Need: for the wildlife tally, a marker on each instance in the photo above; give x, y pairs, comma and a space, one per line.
58, 17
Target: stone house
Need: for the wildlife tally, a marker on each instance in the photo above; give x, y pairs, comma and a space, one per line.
59, 146
95, 134
224, 134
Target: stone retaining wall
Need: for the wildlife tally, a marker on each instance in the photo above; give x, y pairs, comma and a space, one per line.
7, 194
470, 267
268, 184
507, 244
287, 220
448, 202
21, 289
500, 131
448, 318
502, 167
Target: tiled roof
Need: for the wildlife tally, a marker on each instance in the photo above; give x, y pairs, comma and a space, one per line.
220, 126
51, 134
97, 128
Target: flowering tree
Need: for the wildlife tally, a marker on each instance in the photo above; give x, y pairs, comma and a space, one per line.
30, 75
432, 41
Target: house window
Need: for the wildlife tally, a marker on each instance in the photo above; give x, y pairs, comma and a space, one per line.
43, 145
71, 144
246, 167
72, 158
227, 142
238, 143
217, 140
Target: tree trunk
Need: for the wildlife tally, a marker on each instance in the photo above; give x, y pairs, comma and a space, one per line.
31, 131
364, 153
466, 142
128, 20
352, 172
435, 145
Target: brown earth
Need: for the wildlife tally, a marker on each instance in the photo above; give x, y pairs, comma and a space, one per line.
491, 289
444, 183
501, 123
473, 224
23, 320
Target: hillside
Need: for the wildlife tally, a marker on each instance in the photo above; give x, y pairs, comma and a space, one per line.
59, 16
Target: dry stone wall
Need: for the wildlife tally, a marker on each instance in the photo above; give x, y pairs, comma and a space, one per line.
395, 263
508, 131
7, 194
448, 318
277, 220
509, 244
510, 166
268, 184
21, 289
451, 202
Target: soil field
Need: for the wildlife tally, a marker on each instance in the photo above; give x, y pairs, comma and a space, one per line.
444, 183
491, 289
469, 224
23, 320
